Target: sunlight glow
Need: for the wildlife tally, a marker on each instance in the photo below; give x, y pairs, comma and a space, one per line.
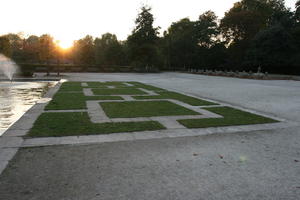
65, 43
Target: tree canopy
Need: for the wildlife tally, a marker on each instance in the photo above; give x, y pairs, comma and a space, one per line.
108, 50
252, 34
142, 43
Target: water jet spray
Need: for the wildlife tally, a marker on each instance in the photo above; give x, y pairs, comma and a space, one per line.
7, 67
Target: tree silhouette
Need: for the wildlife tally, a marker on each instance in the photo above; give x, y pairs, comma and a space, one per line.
142, 43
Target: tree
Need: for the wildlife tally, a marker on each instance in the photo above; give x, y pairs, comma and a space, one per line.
109, 50
84, 51
16, 43
46, 48
191, 44
182, 43
240, 23
244, 20
247, 17
296, 35
5, 47
210, 50
142, 43
31, 49
297, 12
270, 52
207, 29
296, 31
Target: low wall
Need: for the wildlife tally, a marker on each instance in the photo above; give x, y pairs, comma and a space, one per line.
29, 69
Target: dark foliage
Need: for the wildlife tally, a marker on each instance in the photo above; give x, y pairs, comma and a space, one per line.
252, 34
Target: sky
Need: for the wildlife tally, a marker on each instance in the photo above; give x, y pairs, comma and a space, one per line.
68, 20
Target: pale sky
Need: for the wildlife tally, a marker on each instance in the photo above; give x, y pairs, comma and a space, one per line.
69, 20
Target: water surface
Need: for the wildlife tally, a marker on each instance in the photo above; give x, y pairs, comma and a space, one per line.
18, 97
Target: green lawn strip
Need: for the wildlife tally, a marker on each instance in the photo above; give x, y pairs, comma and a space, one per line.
177, 96
145, 86
118, 91
135, 109
74, 101
68, 124
94, 85
70, 87
232, 117
105, 84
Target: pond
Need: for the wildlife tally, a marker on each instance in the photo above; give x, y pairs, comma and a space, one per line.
18, 97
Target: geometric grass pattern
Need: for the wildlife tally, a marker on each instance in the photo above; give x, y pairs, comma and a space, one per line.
133, 109
83, 108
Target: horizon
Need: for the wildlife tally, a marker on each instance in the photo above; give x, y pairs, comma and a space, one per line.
94, 20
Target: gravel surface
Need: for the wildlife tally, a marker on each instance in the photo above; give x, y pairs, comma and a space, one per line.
247, 165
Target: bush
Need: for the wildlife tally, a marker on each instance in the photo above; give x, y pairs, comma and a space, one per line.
26, 70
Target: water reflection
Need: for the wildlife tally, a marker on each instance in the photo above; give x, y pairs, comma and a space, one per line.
16, 98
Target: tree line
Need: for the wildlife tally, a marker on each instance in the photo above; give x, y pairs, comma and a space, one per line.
253, 34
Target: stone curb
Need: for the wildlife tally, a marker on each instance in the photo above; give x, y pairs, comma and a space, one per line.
146, 135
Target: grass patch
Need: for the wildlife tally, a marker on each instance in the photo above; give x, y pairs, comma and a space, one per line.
118, 91
144, 109
50, 125
177, 96
232, 117
94, 85
70, 87
145, 86
105, 84
74, 101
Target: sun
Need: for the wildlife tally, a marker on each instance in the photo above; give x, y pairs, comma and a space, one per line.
65, 43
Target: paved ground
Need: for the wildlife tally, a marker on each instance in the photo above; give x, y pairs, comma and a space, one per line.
248, 165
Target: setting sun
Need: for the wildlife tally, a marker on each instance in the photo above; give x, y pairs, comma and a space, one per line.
65, 44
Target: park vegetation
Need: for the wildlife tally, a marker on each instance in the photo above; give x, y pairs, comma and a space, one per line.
253, 34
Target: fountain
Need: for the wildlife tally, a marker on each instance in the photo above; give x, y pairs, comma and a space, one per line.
19, 96
7, 67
